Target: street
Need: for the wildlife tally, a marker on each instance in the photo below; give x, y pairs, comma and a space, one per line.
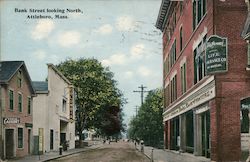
113, 152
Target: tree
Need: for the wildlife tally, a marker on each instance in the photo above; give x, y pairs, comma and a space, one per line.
95, 88
148, 124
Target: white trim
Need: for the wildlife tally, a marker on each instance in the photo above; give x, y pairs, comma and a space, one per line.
183, 61
173, 74
209, 79
199, 39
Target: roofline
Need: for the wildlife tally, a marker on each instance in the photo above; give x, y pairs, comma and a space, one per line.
59, 73
28, 76
160, 23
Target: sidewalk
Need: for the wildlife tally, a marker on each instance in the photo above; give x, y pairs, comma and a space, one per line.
53, 155
160, 155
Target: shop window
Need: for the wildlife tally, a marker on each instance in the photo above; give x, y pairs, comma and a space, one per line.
29, 105
20, 106
19, 79
199, 61
20, 137
244, 120
11, 100
199, 10
64, 105
189, 132
183, 78
175, 133
181, 39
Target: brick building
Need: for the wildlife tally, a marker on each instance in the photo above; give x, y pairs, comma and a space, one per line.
16, 93
206, 77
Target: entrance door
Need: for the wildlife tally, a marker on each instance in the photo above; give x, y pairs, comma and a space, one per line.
29, 136
51, 139
62, 137
205, 119
9, 146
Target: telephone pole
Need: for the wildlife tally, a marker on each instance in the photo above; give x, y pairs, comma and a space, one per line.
142, 91
136, 111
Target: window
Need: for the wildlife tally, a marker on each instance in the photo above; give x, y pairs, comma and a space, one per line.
199, 10
20, 109
64, 105
11, 101
181, 7
173, 54
20, 137
166, 66
183, 78
248, 53
166, 96
199, 61
29, 105
19, 79
181, 39
173, 89
244, 121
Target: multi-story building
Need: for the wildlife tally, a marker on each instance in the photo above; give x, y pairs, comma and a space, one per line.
53, 114
206, 77
16, 109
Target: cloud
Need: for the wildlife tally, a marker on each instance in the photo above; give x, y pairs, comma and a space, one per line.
137, 51
39, 55
53, 59
129, 74
116, 59
144, 71
42, 29
105, 29
69, 38
125, 23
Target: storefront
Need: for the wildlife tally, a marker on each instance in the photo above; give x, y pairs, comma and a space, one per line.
190, 121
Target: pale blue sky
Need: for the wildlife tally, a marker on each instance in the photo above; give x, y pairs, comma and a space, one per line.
119, 33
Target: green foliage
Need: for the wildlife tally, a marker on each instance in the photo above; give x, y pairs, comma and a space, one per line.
95, 88
148, 124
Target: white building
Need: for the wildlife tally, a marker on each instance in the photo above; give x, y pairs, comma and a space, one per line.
53, 113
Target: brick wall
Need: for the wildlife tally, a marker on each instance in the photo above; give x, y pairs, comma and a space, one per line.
24, 117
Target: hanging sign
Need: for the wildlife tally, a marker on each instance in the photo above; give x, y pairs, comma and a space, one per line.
71, 103
216, 55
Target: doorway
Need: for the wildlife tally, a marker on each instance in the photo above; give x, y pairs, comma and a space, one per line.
9, 144
29, 136
205, 132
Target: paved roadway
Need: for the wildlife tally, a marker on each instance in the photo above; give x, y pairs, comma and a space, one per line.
113, 152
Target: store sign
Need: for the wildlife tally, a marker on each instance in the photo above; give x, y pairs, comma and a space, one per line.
216, 55
71, 103
191, 103
11, 120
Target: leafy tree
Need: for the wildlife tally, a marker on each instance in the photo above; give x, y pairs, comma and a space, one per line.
148, 124
95, 88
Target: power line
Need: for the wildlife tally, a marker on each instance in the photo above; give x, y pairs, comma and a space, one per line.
142, 91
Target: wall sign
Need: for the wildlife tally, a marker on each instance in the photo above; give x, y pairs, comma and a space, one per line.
11, 120
245, 103
216, 55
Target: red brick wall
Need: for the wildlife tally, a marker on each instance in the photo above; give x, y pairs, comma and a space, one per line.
24, 117
233, 85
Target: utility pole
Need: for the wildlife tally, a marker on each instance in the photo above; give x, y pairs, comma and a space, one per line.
141, 91
136, 111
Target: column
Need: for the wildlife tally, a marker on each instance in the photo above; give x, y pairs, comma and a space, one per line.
197, 135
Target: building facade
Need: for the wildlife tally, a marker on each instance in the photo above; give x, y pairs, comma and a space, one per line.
16, 109
54, 118
205, 77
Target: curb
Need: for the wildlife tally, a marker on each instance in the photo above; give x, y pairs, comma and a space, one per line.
143, 153
57, 157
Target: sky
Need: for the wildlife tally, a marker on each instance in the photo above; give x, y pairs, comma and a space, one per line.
121, 34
